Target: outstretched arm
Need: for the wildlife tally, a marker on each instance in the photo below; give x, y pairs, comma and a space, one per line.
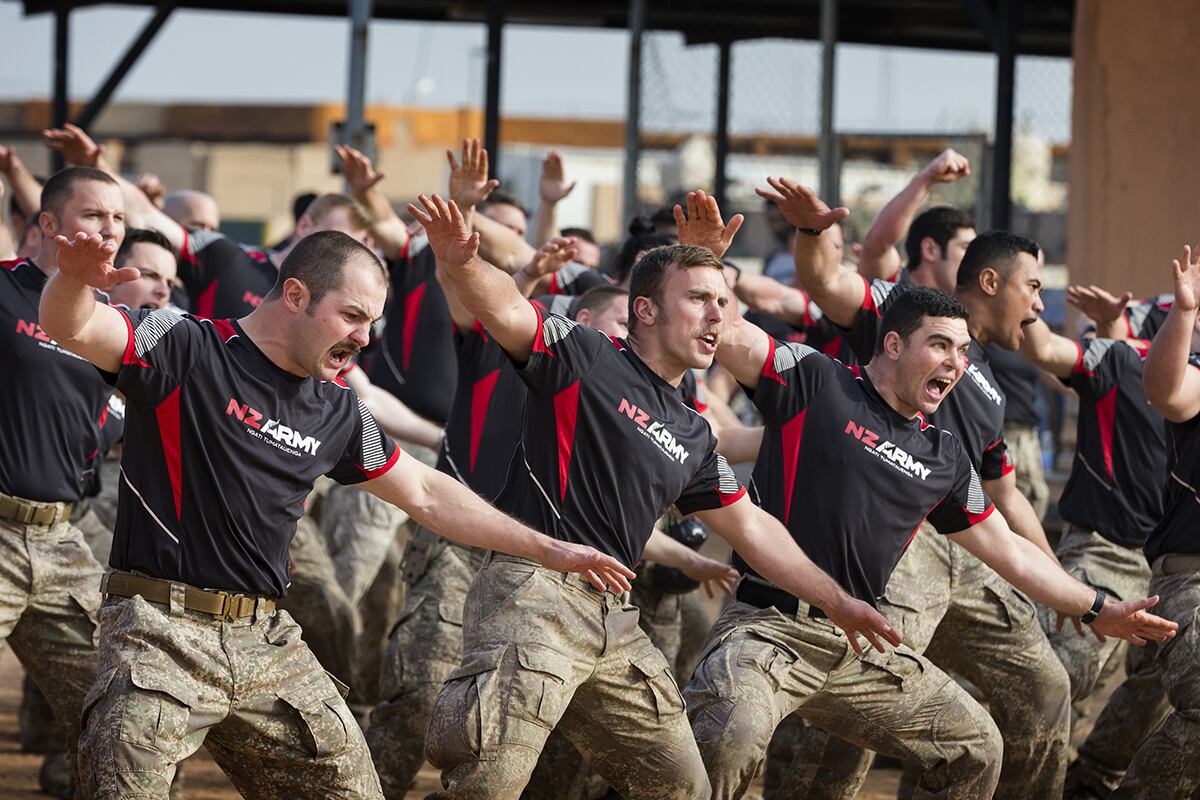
769, 296
1102, 308
1046, 350
488, 294
444, 505
390, 232
702, 225
1172, 386
26, 191
469, 186
837, 291
1024, 566
1018, 512
879, 258
552, 188
770, 549
397, 419
742, 349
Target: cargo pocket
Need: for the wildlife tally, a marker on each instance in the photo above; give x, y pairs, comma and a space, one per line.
537, 694
95, 695
463, 722
1014, 608
652, 667
903, 668
765, 658
157, 710
317, 698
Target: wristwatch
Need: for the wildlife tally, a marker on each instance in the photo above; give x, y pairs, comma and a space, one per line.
810, 231
1094, 611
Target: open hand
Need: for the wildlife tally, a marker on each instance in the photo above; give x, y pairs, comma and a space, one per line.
948, 167
550, 258
1130, 621
702, 224
8, 160
152, 186
1187, 279
452, 242
801, 206
553, 186
74, 144
1097, 304
89, 259
712, 574
469, 183
358, 170
603, 571
855, 617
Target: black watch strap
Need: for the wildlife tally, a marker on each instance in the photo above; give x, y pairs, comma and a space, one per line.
810, 231
1094, 611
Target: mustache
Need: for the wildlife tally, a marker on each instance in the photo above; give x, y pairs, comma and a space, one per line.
349, 347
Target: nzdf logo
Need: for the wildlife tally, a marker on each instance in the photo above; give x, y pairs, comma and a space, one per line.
654, 431
282, 436
887, 451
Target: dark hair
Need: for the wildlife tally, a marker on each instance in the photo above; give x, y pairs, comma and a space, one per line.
301, 203
650, 273
911, 308
140, 236
939, 223
61, 184
318, 261
996, 249
642, 236
595, 299
579, 233
503, 198
663, 218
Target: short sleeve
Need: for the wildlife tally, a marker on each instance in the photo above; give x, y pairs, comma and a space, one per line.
713, 486
575, 279
791, 376
1146, 317
162, 348
1101, 363
966, 504
563, 352
878, 296
997, 461
369, 454
203, 256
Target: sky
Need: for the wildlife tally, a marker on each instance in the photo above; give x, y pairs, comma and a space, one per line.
563, 72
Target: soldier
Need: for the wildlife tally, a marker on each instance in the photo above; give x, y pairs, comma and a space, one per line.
228, 424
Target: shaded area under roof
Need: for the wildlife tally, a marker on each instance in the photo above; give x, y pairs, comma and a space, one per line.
1043, 27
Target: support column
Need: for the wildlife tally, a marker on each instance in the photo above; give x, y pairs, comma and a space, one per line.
827, 146
633, 110
1005, 44
354, 133
62, 47
491, 103
724, 52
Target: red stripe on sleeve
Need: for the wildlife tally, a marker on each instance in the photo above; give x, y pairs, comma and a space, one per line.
170, 434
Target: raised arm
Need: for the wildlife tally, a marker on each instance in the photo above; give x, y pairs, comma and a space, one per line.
69, 312
1046, 350
469, 186
488, 294
1102, 308
769, 296
742, 349
703, 226
26, 191
767, 546
1024, 566
1172, 386
837, 291
444, 505
552, 189
389, 231
397, 419
879, 258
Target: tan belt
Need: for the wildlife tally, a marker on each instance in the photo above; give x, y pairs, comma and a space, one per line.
29, 512
222, 605
1179, 562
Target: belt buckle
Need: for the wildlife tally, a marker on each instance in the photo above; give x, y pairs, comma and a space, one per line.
233, 604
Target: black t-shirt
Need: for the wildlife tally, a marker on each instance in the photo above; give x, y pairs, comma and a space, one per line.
1179, 529
849, 476
1116, 482
224, 279
607, 447
1019, 380
221, 450
1145, 317
575, 279
51, 400
816, 331
415, 359
974, 409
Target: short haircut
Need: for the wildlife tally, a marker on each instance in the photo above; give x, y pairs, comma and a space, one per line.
578, 233
301, 203
61, 185
651, 272
996, 249
140, 236
321, 206
940, 223
318, 261
596, 299
642, 236
503, 198
910, 309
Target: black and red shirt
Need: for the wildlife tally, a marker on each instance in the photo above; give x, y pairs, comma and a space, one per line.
607, 447
575, 279
1179, 529
221, 450
224, 279
1019, 380
973, 411
1145, 317
1116, 482
849, 476
415, 360
51, 400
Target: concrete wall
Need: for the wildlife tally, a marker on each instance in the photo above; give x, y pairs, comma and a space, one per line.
1135, 154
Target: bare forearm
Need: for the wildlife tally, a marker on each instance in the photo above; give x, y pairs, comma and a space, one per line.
1025, 566
879, 258
70, 315
26, 191
545, 226
837, 291
662, 549
1048, 351
141, 213
399, 420
389, 231
501, 246
1166, 369
1023, 521
8, 249
768, 296
739, 444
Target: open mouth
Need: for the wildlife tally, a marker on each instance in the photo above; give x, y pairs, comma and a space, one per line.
339, 357
938, 387
710, 341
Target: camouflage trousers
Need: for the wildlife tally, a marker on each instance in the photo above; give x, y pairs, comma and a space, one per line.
423, 648
249, 690
545, 650
1024, 443
678, 624
953, 608
359, 531
760, 666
